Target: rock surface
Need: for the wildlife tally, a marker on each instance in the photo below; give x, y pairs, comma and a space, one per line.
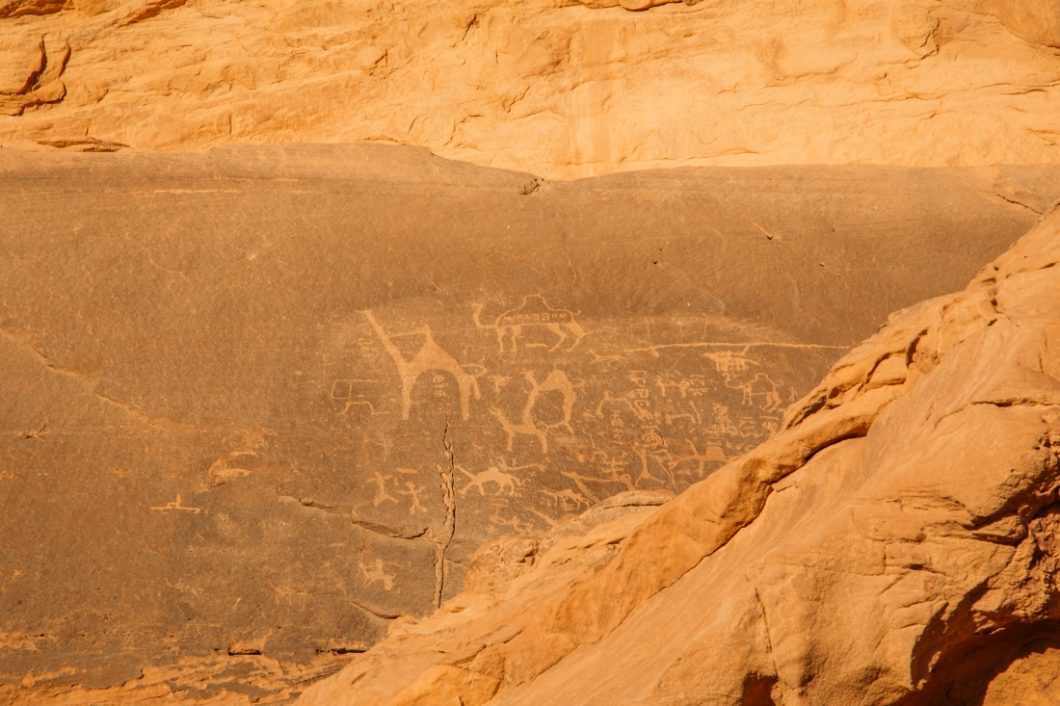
896, 543
259, 403
560, 88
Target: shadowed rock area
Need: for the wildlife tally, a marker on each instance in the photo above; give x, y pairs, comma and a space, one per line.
260, 403
895, 543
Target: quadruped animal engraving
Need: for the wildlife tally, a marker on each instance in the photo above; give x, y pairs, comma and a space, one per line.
567, 500
498, 475
377, 573
756, 388
534, 311
430, 357
526, 424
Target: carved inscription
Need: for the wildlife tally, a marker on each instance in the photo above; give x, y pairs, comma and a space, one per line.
529, 422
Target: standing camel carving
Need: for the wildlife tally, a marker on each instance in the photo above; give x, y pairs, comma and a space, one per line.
429, 357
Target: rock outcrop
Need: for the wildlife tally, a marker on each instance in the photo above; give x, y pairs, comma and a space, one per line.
560, 88
895, 543
262, 403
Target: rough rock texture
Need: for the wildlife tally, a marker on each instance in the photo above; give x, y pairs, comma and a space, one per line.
267, 400
896, 543
555, 87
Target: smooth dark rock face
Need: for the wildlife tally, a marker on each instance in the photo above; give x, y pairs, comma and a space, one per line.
265, 400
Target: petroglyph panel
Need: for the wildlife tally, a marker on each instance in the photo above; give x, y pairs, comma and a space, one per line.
271, 400
543, 428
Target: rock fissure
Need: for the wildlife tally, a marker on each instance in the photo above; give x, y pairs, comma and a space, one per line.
765, 627
447, 478
387, 531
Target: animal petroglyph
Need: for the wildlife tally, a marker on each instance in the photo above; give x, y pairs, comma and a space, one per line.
567, 499
638, 406
430, 357
526, 424
581, 481
377, 573
498, 475
533, 312
757, 390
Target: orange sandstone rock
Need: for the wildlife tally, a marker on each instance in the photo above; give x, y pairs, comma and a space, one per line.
894, 544
560, 88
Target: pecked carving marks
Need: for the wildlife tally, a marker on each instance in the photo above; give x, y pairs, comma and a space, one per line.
42, 84
526, 424
430, 357
533, 313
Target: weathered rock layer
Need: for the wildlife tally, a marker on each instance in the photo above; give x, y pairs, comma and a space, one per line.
555, 87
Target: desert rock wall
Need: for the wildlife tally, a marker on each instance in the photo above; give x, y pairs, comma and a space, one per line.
263, 402
895, 544
552, 87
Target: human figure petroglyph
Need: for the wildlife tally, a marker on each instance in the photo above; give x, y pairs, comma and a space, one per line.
430, 357
498, 382
376, 574
412, 492
526, 424
534, 311
381, 494
498, 475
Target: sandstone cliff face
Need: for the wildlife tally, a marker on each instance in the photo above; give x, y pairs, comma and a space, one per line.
560, 88
895, 543
282, 394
